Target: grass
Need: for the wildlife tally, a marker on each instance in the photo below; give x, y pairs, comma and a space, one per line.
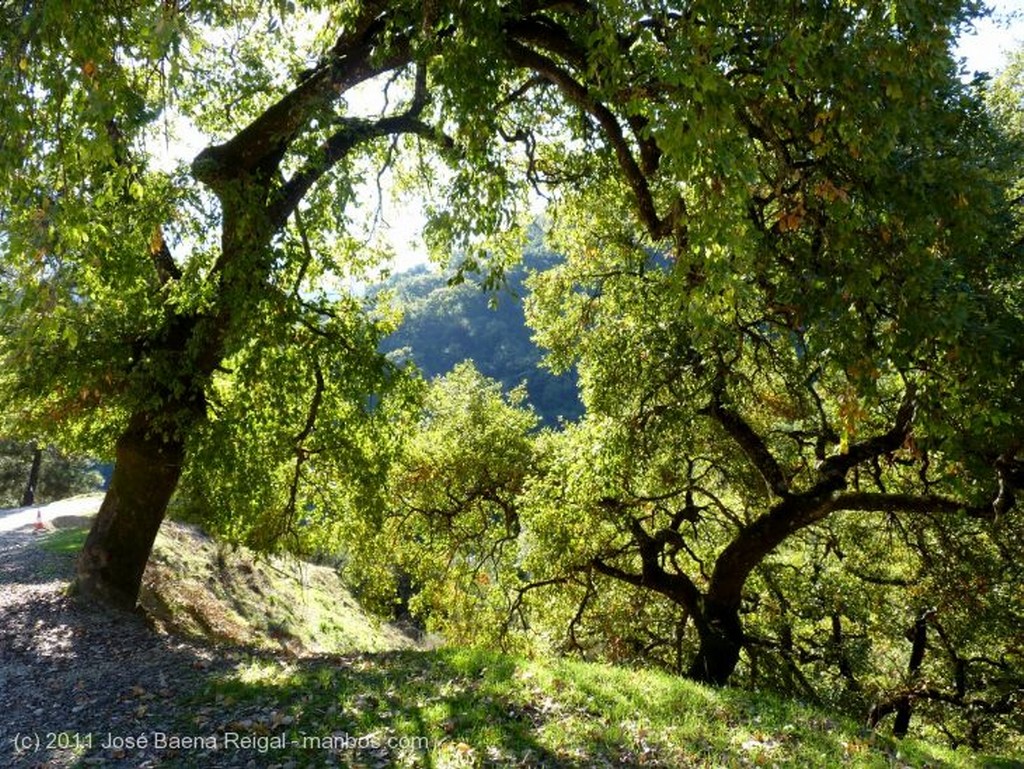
459, 708
339, 689
64, 541
197, 587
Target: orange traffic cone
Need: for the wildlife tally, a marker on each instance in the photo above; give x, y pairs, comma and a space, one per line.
39, 522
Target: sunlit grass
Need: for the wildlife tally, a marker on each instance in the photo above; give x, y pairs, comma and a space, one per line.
65, 541
470, 708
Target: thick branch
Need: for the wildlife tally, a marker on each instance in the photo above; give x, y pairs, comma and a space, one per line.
548, 36
907, 503
886, 443
798, 511
577, 94
166, 268
754, 542
545, 34
751, 444
620, 574
257, 149
1010, 473
653, 581
677, 587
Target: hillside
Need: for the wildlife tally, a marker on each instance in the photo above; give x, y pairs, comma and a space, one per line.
460, 708
294, 699
444, 325
201, 589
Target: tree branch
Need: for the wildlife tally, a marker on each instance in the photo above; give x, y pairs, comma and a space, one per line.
257, 149
751, 443
670, 226
907, 503
353, 132
888, 442
677, 587
616, 573
798, 511
166, 268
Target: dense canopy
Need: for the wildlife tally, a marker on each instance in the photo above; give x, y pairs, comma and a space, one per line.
790, 282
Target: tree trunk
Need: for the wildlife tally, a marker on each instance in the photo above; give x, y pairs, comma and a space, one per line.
721, 639
903, 704
918, 636
146, 472
29, 496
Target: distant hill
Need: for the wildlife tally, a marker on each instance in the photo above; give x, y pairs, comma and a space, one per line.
445, 325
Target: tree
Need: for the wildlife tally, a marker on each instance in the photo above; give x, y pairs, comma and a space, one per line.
801, 351
28, 497
813, 201
452, 528
817, 318
47, 474
108, 331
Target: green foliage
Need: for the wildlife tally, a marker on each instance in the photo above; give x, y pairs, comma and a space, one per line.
816, 331
301, 435
452, 527
120, 301
720, 375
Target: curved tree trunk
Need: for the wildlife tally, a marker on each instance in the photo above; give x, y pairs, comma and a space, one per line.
244, 173
146, 473
721, 640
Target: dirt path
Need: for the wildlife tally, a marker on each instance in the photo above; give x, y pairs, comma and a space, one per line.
74, 679
26, 519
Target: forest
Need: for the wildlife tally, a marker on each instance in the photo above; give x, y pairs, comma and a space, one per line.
443, 325
720, 373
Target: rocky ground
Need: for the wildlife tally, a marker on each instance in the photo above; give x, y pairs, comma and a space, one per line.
80, 685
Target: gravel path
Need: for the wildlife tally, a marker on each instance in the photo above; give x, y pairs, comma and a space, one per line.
24, 519
73, 678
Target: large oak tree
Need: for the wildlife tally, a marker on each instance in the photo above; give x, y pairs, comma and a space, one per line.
792, 290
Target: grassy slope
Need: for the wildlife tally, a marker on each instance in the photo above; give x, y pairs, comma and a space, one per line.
459, 708
197, 587
452, 708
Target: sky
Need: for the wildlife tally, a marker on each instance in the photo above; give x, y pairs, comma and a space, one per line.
995, 37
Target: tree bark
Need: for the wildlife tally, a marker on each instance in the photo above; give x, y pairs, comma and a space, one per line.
903, 704
114, 557
721, 640
905, 707
29, 496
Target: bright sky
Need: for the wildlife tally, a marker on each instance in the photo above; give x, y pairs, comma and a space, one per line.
994, 38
